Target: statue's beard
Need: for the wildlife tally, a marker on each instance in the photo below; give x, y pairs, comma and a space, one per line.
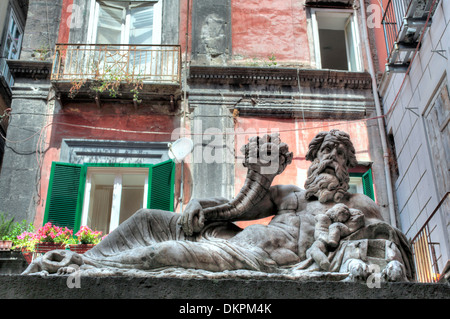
327, 181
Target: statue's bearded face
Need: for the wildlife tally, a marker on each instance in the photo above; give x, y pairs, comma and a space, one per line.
328, 176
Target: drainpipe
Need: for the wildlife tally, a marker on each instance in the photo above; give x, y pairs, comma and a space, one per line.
379, 115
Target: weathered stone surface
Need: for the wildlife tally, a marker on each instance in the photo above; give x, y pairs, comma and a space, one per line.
18, 287
322, 228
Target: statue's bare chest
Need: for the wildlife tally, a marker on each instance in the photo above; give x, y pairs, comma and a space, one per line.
296, 204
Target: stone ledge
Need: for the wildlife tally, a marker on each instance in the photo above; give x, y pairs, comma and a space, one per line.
121, 287
239, 75
30, 68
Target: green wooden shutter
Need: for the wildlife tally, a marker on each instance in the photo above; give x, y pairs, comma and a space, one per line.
368, 184
161, 186
65, 195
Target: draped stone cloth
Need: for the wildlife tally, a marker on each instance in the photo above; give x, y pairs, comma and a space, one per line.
153, 240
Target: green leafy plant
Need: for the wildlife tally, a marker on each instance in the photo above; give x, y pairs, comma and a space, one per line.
53, 234
19, 228
273, 60
42, 54
25, 241
15, 232
5, 227
88, 236
258, 62
109, 81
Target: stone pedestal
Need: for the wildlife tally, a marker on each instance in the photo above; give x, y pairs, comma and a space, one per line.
121, 287
12, 262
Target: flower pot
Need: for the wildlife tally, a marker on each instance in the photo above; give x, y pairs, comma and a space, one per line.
28, 255
42, 248
5, 245
81, 248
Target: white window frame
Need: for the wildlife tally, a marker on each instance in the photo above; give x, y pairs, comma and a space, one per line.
117, 192
357, 181
4, 69
13, 18
157, 23
355, 32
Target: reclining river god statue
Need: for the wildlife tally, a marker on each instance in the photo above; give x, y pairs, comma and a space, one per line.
320, 228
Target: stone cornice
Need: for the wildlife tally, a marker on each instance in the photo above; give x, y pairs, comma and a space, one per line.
30, 69
238, 75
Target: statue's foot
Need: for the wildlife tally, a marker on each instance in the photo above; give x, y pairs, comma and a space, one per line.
57, 259
394, 271
357, 269
325, 265
53, 261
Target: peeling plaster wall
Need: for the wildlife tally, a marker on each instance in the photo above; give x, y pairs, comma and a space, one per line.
276, 29
211, 32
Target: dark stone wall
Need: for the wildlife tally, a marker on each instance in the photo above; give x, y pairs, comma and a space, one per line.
41, 30
20, 170
19, 287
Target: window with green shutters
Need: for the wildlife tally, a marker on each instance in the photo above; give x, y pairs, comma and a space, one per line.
64, 199
161, 181
368, 184
362, 183
70, 197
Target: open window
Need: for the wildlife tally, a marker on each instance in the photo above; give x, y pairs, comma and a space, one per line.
336, 40
362, 182
103, 196
125, 22
112, 195
10, 49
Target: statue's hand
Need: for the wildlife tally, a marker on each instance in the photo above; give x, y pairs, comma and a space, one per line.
266, 155
193, 219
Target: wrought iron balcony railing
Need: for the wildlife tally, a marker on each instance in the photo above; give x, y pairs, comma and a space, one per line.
425, 255
403, 22
150, 63
117, 71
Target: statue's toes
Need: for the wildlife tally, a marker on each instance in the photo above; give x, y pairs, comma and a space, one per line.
54, 260
394, 271
358, 270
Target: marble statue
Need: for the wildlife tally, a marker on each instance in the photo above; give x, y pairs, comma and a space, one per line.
322, 228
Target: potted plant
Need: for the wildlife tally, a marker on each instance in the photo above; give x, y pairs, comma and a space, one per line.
5, 228
26, 242
84, 240
51, 237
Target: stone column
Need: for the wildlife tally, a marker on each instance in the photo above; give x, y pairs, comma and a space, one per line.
20, 175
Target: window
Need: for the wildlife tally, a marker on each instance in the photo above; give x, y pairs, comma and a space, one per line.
103, 196
362, 183
11, 46
131, 31
125, 22
336, 40
112, 195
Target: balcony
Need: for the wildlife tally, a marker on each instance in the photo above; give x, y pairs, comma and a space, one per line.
404, 21
426, 256
117, 73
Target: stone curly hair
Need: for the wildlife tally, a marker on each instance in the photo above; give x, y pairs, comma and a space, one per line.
337, 136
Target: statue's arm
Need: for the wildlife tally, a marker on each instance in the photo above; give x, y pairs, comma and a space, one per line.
198, 211
264, 207
192, 220
367, 206
265, 157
